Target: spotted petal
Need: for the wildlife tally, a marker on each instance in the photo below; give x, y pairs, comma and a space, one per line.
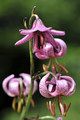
71, 84
43, 88
61, 47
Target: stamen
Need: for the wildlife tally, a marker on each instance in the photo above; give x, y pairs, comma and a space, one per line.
40, 40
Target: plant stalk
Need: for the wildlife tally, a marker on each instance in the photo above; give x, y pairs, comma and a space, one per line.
47, 117
26, 107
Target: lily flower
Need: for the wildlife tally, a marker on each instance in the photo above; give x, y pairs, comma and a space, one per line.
40, 34
57, 85
48, 50
11, 85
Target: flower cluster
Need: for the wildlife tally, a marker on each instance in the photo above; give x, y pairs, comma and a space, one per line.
45, 45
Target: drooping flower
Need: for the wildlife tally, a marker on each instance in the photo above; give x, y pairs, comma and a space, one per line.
57, 85
48, 50
40, 34
11, 85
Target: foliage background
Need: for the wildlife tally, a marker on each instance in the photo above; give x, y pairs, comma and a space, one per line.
61, 14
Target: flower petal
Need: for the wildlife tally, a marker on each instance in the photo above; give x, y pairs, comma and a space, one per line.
57, 32
43, 88
25, 39
14, 86
41, 55
23, 32
38, 25
71, 84
5, 85
46, 52
61, 47
61, 88
49, 38
27, 83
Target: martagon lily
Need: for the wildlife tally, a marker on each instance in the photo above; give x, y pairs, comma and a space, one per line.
57, 85
49, 51
11, 85
40, 35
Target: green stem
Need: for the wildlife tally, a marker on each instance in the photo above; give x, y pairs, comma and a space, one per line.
50, 64
31, 59
47, 117
26, 107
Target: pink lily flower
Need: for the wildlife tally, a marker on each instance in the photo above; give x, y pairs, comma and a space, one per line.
58, 85
40, 34
48, 50
11, 85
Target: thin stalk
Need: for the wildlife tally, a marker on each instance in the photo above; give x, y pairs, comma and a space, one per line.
47, 117
26, 107
50, 64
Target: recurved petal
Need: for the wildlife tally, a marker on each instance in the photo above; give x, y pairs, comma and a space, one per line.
61, 47
23, 31
40, 54
27, 82
71, 84
5, 85
43, 88
25, 39
57, 32
62, 87
46, 52
59, 88
14, 86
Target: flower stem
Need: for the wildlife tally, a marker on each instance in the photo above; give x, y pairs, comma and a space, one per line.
47, 117
26, 107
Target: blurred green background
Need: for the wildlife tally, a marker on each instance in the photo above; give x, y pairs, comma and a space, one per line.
60, 14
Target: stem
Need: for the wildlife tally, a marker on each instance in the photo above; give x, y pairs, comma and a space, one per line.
50, 64
31, 58
26, 107
47, 117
